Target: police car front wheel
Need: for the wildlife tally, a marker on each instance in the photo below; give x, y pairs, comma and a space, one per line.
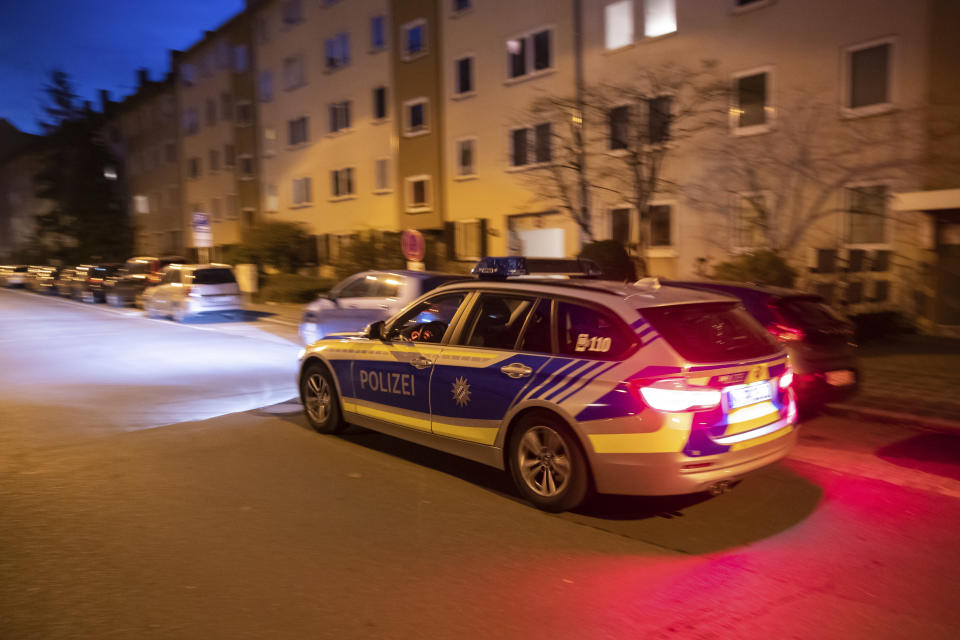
546, 463
320, 401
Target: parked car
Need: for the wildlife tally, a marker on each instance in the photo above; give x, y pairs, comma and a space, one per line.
819, 341
63, 284
190, 289
89, 280
364, 298
137, 275
13, 275
43, 279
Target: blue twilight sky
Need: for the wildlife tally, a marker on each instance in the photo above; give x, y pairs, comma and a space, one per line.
99, 43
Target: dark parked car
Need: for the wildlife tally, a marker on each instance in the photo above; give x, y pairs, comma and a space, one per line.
44, 279
137, 275
89, 280
818, 340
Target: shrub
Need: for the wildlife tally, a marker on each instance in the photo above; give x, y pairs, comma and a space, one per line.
759, 267
286, 246
612, 258
290, 287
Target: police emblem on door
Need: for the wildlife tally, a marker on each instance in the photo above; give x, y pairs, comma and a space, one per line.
461, 391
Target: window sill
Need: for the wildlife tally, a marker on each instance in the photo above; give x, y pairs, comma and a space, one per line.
298, 146
373, 51
616, 50
455, 15
463, 96
753, 130
413, 57
293, 88
849, 113
338, 133
327, 71
875, 246
760, 4
416, 134
662, 252
465, 178
617, 153
302, 205
530, 76
424, 209
246, 178
344, 198
382, 192
380, 121
528, 167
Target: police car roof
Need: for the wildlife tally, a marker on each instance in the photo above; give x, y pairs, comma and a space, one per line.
418, 275
637, 295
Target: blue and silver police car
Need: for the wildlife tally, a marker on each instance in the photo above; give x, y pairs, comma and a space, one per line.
572, 385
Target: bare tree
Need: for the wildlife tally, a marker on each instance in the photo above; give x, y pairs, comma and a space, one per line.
625, 133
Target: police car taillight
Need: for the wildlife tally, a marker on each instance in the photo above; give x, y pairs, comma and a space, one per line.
674, 395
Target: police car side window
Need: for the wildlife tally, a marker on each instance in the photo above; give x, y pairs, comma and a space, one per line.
590, 333
536, 335
497, 320
427, 321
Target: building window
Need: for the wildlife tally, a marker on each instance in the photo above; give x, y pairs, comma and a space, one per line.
293, 74
141, 204
414, 38
341, 182
270, 140
382, 175
211, 112
378, 40
241, 58
466, 158
302, 191
620, 225
193, 167
188, 74
214, 160
854, 292
339, 116
265, 87
459, 6
298, 131
659, 115
464, 79
415, 117
338, 51
618, 24
270, 200
170, 152
751, 221
530, 145
619, 123
867, 215
229, 155
244, 114
292, 12
379, 103
881, 291
660, 222
659, 17
869, 77
529, 53
468, 240
215, 210
418, 194
246, 166
231, 206
752, 107
191, 122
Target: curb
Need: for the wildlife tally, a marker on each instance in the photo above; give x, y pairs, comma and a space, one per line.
278, 321
880, 415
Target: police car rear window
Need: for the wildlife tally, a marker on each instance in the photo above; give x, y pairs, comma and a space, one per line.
213, 276
711, 331
589, 333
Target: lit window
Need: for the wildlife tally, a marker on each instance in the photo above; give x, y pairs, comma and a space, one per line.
414, 38
338, 51
418, 194
869, 76
618, 24
464, 79
141, 204
659, 17
465, 157
339, 116
341, 182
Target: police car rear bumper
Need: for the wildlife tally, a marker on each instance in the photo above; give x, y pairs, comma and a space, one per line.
677, 474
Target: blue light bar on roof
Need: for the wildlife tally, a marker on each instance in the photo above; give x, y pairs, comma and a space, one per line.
516, 266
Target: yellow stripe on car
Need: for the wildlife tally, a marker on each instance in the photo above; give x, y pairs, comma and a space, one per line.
669, 438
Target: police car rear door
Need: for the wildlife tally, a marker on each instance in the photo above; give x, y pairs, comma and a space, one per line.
391, 378
503, 342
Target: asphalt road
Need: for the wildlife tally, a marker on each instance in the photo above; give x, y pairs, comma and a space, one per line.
158, 481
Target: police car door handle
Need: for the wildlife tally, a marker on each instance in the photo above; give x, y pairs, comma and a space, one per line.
421, 362
516, 370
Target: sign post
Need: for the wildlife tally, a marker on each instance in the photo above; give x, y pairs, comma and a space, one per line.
414, 248
202, 235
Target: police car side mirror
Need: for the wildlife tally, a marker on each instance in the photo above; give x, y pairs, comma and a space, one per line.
375, 330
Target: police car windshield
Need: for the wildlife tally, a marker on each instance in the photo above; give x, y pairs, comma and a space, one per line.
711, 332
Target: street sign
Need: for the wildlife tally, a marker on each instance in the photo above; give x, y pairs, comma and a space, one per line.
202, 234
413, 245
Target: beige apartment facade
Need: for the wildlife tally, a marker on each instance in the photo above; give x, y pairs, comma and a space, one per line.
218, 133
143, 130
326, 139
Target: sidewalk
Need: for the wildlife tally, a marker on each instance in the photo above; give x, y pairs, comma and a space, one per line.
909, 379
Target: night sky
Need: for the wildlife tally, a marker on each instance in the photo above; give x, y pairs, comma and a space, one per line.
99, 43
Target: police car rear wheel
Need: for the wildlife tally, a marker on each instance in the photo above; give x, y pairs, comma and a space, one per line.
320, 401
546, 463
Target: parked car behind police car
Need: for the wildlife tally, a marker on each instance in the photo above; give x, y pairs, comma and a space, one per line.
571, 385
190, 289
364, 298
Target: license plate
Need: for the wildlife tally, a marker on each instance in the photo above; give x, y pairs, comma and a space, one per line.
747, 394
840, 378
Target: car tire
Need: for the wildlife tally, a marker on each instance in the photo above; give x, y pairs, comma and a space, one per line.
321, 404
547, 464
178, 314
148, 310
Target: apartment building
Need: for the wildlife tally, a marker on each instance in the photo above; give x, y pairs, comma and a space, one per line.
327, 115
216, 93
143, 131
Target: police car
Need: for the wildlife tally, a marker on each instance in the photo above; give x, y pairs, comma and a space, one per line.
572, 385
